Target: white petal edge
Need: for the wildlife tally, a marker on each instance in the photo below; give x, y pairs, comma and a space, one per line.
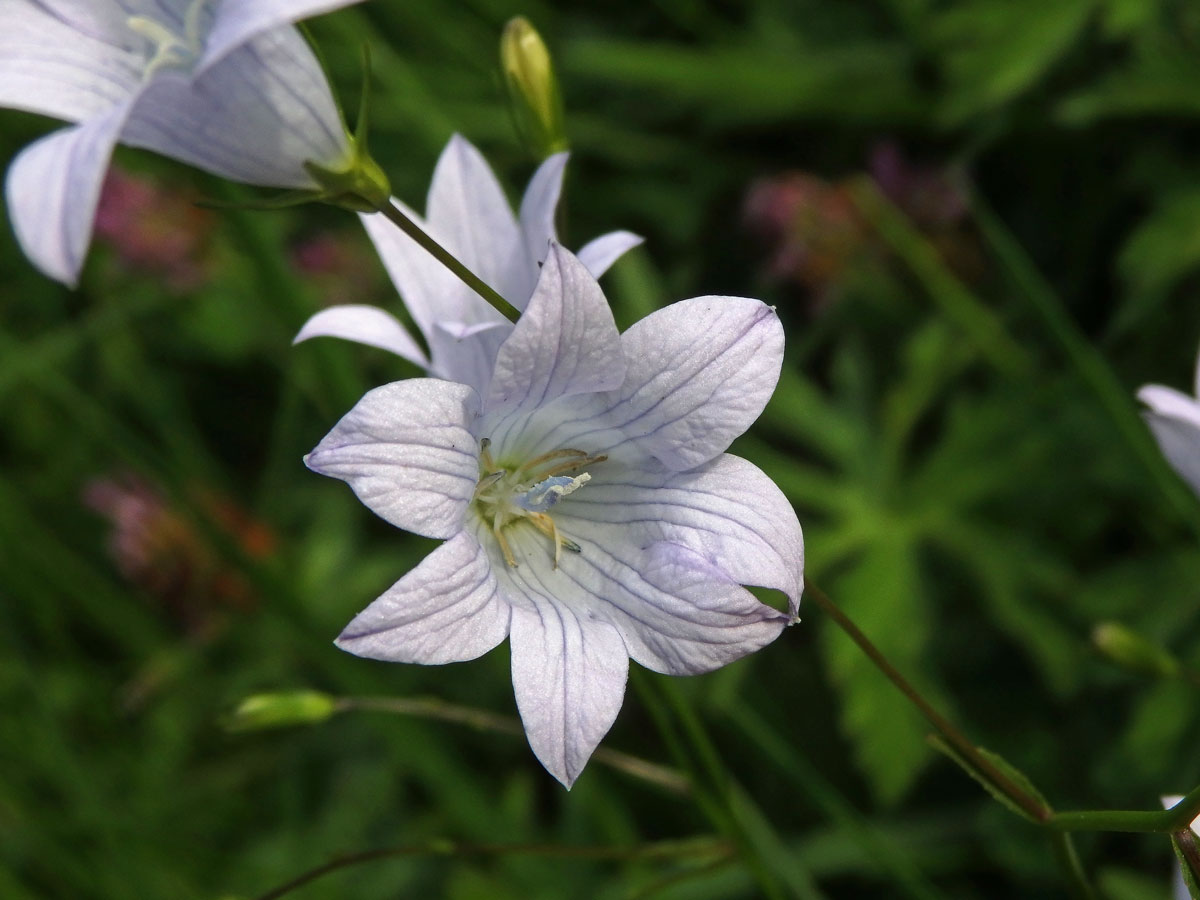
699, 372
1179, 440
565, 343
447, 609
407, 452
238, 21
469, 213
600, 253
53, 187
1169, 402
536, 217
569, 675
363, 324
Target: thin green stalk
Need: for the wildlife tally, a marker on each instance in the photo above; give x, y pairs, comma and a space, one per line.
1088, 363
796, 767
483, 720
710, 782
695, 847
1078, 883
1032, 806
442, 255
1161, 821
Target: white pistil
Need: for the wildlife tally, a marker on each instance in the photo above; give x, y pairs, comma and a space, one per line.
504, 497
170, 49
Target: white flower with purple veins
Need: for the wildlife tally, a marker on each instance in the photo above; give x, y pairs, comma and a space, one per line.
468, 214
1174, 417
589, 511
226, 85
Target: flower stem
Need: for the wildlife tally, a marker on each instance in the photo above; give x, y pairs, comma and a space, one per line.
1068, 859
442, 255
483, 720
695, 847
1161, 821
1031, 805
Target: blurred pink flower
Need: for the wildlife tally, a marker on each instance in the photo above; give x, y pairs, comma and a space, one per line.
157, 548
155, 230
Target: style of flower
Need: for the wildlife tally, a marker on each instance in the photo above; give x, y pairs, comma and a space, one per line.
468, 214
226, 85
1174, 418
589, 511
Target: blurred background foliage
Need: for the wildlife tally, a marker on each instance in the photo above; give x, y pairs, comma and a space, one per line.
980, 223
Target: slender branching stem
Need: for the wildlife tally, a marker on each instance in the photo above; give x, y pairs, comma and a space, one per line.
447, 259
1031, 805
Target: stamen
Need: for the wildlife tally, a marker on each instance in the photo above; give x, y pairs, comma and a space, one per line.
503, 542
485, 453
534, 464
579, 464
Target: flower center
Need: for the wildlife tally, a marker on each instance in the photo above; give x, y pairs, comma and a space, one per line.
168, 49
507, 495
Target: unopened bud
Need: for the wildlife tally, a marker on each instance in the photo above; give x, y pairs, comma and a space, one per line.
1133, 652
532, 88
281, 710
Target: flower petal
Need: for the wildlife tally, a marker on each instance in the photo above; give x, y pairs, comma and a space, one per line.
569, 676
600, 253
675, 610
240, 20
257, 117
699, 373
565, 343
1169, 402
61, 63
537, 224
433, 295
407, 451
53, 187
728, 512
471, 217
445, 610
1179, 440
365, 325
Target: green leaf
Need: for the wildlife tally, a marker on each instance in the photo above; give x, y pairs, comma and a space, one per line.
1163, 249
994, 50
1008, 769
884, 595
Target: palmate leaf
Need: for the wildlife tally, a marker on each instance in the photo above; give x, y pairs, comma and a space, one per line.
883, 593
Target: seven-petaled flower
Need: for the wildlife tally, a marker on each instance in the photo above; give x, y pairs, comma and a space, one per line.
226, 85
589, 511
1174, 417
469, 215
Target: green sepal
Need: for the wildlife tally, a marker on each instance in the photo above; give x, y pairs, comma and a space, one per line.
1014, 774
362, 185
1187, 851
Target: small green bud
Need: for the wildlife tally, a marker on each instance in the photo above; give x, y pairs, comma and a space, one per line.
1133, 652
281, 710
533, 94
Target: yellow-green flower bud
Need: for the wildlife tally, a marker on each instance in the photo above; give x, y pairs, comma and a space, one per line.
281, 710
532, 88
1133, 652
